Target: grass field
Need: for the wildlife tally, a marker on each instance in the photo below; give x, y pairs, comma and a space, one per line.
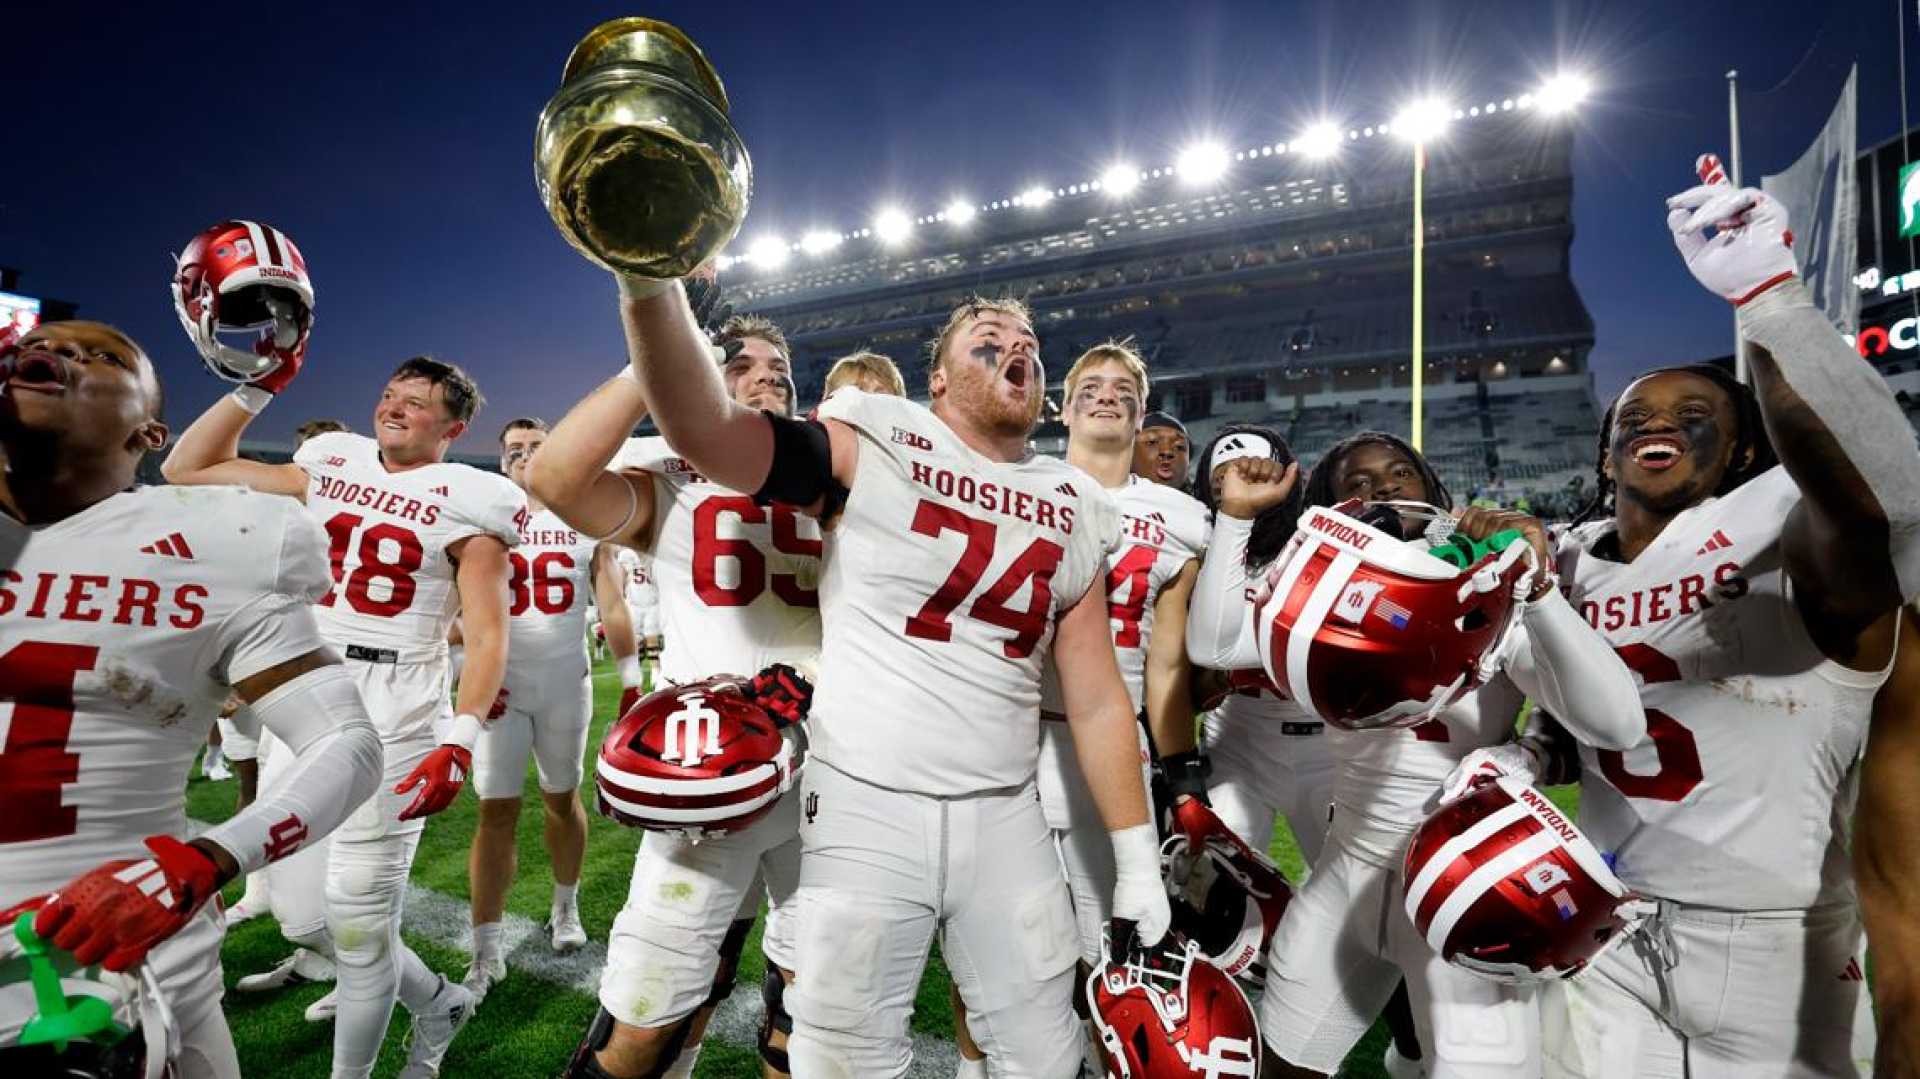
528, 1024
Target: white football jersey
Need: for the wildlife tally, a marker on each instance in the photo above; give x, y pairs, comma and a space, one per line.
739, 584
945, 577
642, 592
388, 534
1161, 531
121, 629
1739, 795
548, 596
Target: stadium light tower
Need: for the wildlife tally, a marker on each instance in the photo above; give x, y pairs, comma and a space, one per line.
1202, 163
768, 252
1420, 123
892, 226
960, 211
1320, 140
1119, 179
1563, 93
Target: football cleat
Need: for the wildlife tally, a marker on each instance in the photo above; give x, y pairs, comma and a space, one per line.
434, 1027
300, 968
483, 973
565, 931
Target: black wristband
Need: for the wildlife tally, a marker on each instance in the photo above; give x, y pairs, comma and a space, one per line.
1187, 774
802, 469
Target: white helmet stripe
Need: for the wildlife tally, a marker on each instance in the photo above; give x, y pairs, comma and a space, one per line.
1481, 831
1481, 880
698, 815
732, 784
259, 237
1312, 614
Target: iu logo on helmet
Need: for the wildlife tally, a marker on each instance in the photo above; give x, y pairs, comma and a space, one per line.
693, 733
1226, 1057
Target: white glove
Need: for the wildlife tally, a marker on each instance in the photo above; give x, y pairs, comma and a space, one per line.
1138, 894
1752, 247
1506, 759
629, 668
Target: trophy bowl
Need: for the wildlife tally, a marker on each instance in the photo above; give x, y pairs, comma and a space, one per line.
634, 155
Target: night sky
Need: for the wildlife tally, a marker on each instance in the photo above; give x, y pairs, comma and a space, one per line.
394, 143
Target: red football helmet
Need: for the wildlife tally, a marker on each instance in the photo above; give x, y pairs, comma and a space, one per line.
1502, 883
243, 277
697, 760
1166, 1013
1365, 630
1227, 897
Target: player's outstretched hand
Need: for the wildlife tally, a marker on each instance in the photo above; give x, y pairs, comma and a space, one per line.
113, 914
1252, 484
1487, 764
439, 777
1751, 249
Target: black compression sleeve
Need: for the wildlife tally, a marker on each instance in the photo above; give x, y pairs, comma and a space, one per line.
802, 471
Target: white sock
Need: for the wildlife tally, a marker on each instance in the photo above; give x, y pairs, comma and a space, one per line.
683, 1067
418, 983
486, 940
563, 895
971, 1069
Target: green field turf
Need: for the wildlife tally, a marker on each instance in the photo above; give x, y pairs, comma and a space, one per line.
527, 1026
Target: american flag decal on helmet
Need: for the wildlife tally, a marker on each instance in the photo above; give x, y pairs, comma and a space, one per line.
1394, 615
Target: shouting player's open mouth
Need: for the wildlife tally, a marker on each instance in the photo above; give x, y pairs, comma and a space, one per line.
41, 372
1657, 453
1017, 372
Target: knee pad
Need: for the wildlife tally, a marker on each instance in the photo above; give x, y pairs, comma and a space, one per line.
731, 946
774, 1017
600, 1031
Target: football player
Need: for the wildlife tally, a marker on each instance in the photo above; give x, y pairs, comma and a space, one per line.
548, 697
957, 558
1149, 579
1344, 942
870, 372
738, 583
413, 538
130, 613
1759, 605
1160, 450
643, 609
1267, 756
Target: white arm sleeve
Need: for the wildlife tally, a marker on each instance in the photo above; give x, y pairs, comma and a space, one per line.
1569, 670
337, 764
1220, 617
1854, 403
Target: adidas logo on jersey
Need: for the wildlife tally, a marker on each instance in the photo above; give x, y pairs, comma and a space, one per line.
1852, 973
1067, 489
170, 546
1716, 542
912, 438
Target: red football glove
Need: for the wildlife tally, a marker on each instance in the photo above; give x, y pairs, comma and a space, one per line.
444, 772
113, 914
781, 692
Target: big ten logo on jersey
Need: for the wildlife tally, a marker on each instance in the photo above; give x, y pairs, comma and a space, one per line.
1685, 595
912, 438
693, 732
731, 569
97, 597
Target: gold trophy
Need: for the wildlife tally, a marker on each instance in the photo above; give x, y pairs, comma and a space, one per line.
635, 157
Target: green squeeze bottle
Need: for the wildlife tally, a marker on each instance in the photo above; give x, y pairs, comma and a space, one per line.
1460, 552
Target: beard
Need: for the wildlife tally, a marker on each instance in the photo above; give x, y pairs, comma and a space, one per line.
976, 395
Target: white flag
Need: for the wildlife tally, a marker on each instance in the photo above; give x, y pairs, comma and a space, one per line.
1823, 203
